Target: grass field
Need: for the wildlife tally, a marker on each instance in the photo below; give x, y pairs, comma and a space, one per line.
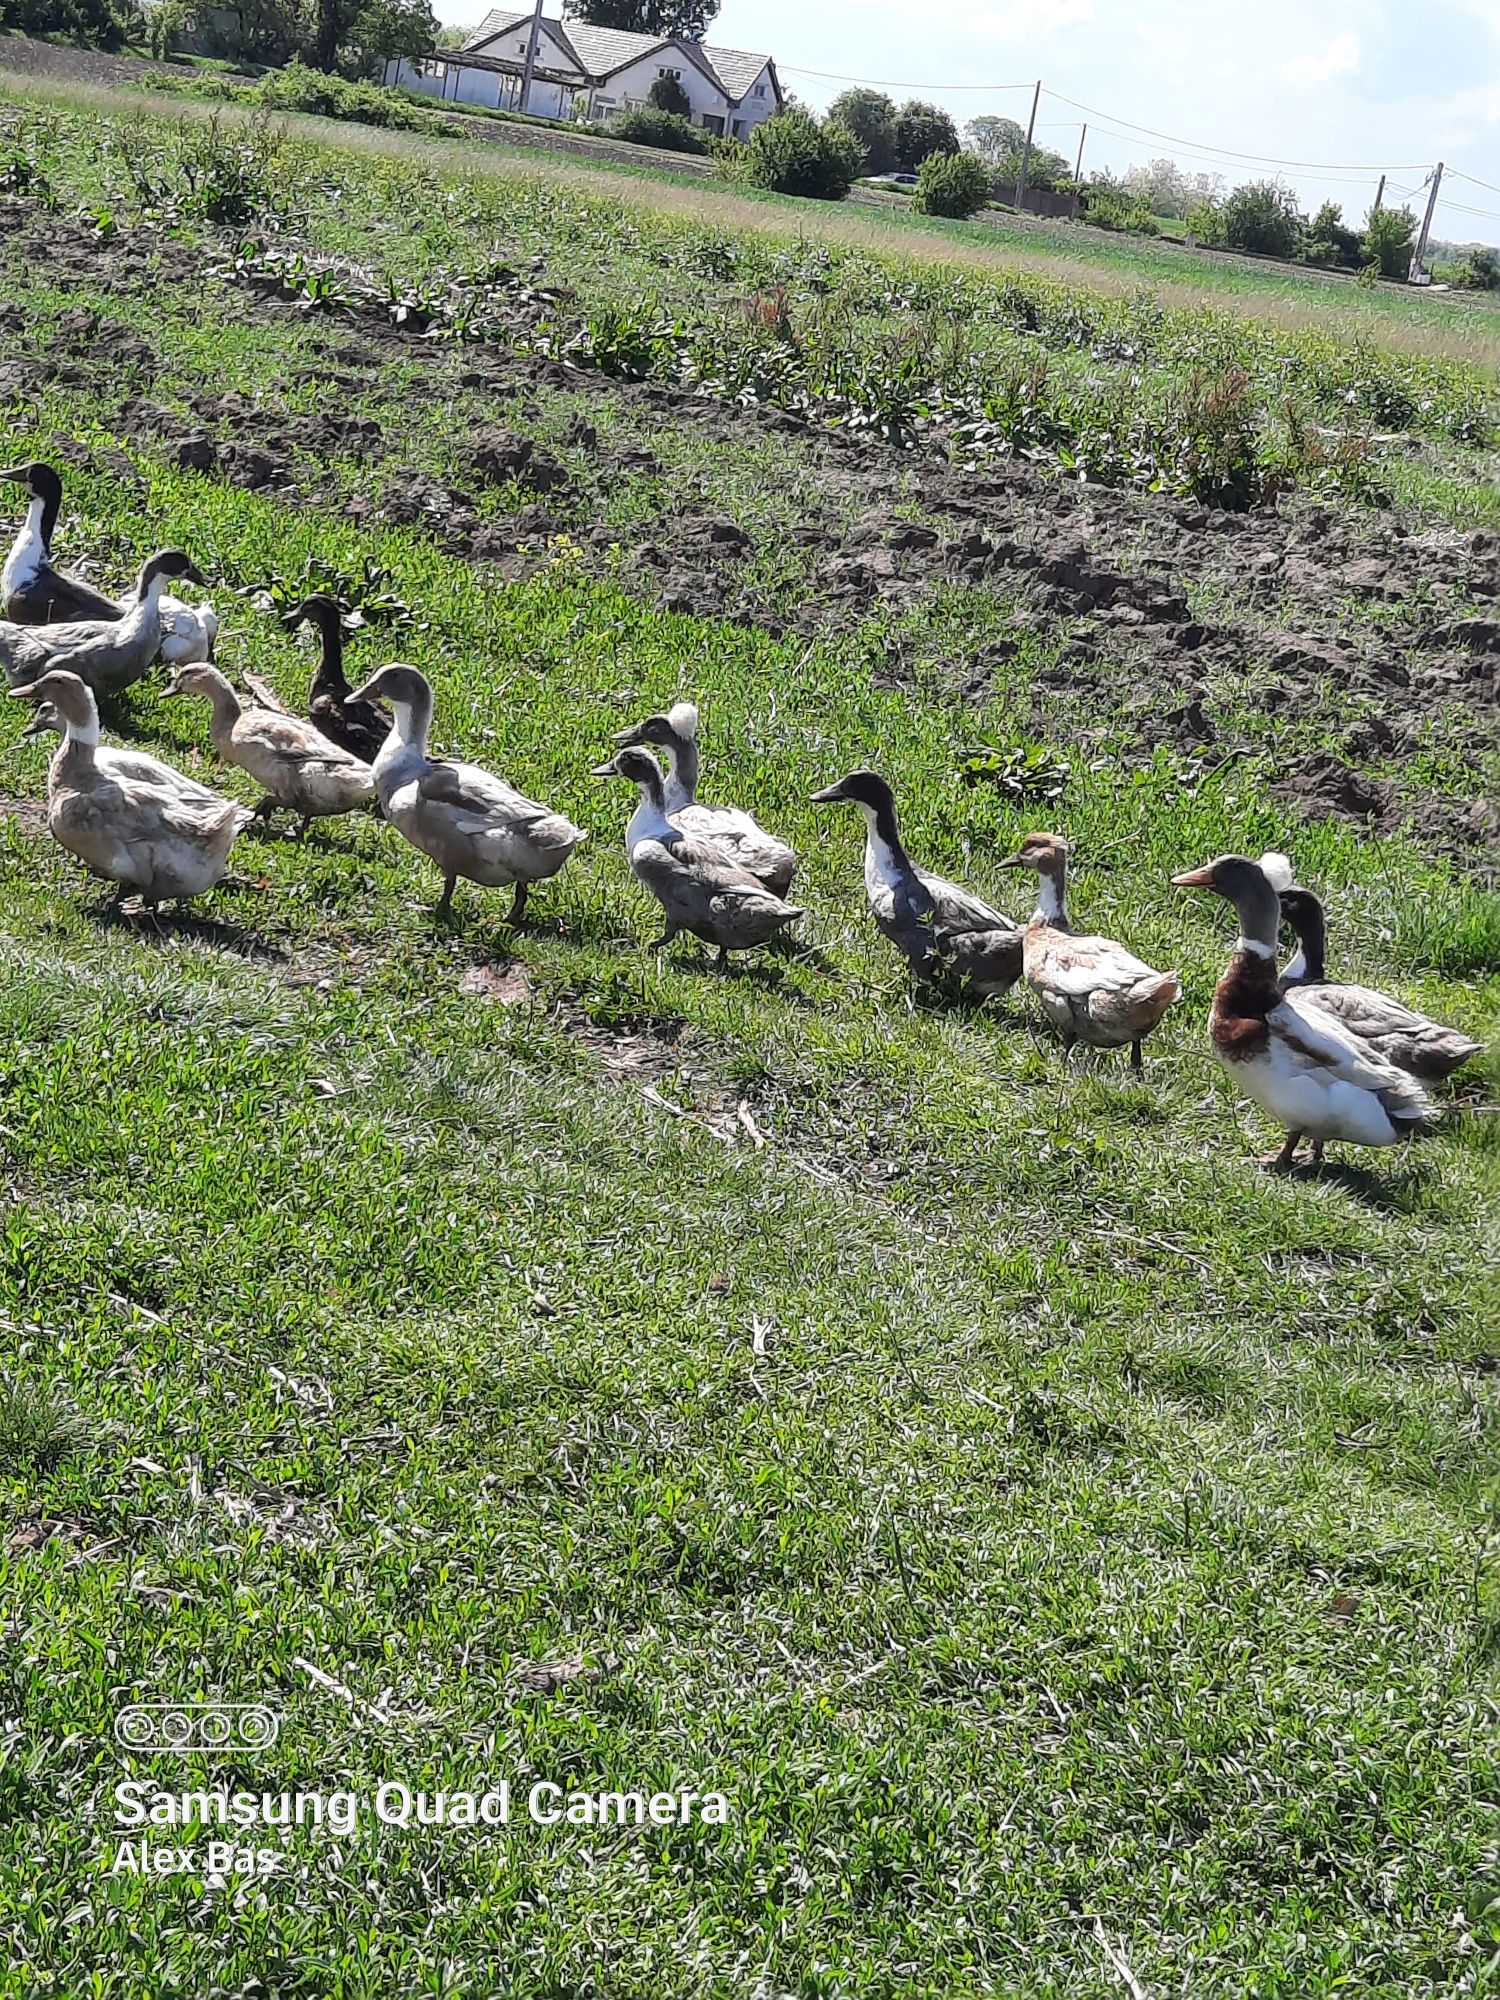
515, 1354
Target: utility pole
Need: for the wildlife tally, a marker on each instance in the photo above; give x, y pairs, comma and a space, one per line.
1026, 149
1379, 197
1418, 271
1078, 163
530, 69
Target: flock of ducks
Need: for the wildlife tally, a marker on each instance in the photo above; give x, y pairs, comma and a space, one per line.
1325, 1060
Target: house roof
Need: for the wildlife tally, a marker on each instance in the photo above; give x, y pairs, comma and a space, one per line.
603, 52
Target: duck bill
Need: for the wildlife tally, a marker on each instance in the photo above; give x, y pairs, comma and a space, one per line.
604, 771
27, 693
1011, 861
831, 795
629, 739
192, 574
1195, 878
369, 692
21, 474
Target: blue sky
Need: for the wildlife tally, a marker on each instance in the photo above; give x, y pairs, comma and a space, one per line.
1352, 83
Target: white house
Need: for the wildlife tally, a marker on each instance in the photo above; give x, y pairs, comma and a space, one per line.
596, 73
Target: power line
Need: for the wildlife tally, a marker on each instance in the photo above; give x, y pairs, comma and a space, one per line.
1460, 175
894, 83
1260, 159
1208, 159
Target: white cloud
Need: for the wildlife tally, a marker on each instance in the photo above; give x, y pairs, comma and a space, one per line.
1337, 58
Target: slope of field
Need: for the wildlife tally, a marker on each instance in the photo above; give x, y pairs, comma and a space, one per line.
517, 1354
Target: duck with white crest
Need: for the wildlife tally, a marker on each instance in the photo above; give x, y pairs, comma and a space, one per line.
34, 591
701, 890
293, 763
1091, 988
144, 826
109, 653
945, 933
1412, 1041
675, 734
471, 823
1301, 1065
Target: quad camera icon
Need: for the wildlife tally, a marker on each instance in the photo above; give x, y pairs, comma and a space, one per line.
151, 1728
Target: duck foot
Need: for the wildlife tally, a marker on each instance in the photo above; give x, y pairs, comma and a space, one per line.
518, 907
1284, 1161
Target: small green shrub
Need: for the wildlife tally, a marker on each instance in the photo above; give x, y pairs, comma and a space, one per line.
1206, 222
667, 94
955, 184
298, 88
1262, 216
1388, 243
664, 129
793, 154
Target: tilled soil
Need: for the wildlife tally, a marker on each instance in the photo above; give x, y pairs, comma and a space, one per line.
1154, 606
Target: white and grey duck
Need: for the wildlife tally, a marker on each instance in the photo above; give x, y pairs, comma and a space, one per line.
295, 765
946, 933
1412, 1041
700, 888
34, 591
675, 734
109, 653
1303, 1067
1091, 988
138, 823
135, 766
471, 823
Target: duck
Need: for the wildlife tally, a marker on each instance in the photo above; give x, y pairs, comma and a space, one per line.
360, 727
944, 932
34, 591
1301, 1065
1091, 988
468, 821
1414, 1042
675, 734
144, 827
700, 888
294, 763
109, 653
133, 765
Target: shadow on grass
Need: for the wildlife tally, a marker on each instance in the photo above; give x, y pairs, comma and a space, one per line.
164, 927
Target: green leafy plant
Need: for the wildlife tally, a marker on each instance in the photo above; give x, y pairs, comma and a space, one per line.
793, 154
952, 184
665, 129
1028, 771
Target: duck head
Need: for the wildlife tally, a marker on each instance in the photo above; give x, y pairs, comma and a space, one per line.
638, 765
1243, 882
1046, 855
408, 695
46, 722
859, 788
211, 684
1303, 911
668, 732
70, 699
43, 489
324, 612
168, 565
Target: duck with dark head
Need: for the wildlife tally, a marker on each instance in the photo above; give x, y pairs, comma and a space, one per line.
1301, 1066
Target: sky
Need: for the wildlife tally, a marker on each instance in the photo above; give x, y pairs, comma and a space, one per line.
1349, 87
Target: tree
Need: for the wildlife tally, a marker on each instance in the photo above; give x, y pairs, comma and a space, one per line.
792, 153
1330, 236
955, 184
687, 20
667, 94
995, 140
871, 117
1481, 273
1262, 216
1388, 240
922, 129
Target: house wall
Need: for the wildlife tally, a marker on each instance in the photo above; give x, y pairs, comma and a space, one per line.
485, 87
550, 53
755, 110
628, 89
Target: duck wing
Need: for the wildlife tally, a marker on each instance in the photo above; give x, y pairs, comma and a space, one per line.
266, 695
360, 727
956, 909
1398, 1034
1314, 1044
23, 653
51, 596
770, 860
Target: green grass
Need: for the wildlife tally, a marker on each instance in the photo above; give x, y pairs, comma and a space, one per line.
1037, 1520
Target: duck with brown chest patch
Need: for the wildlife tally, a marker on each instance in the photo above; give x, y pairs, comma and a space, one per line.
1300, 1065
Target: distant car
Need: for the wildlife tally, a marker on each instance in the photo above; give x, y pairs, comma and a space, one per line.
896, 180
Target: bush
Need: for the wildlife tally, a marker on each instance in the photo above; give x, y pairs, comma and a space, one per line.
1331, 238
792, 154
667, 94
956, 184
1105, 209
1139, 218
1206, 223
94, 24
1262, 216
1480, 272
297, 88
659, 128
1388, 243
871, 117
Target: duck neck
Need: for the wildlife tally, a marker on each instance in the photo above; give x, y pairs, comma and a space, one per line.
1260, 918
886, 858
681, 787
649, 820
29, 550
41, 516
411, 722
81, 732
1052, 893
331, 678
1307, 967
151, 588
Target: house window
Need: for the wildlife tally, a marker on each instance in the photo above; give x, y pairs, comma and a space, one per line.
675, 74
739, 128
760, 90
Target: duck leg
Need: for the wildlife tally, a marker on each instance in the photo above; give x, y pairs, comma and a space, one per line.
721, 963
265, 811
445, 901
1286, 1159
661, 943
306, 823
518, 907
1317, 1152
1137, 1062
